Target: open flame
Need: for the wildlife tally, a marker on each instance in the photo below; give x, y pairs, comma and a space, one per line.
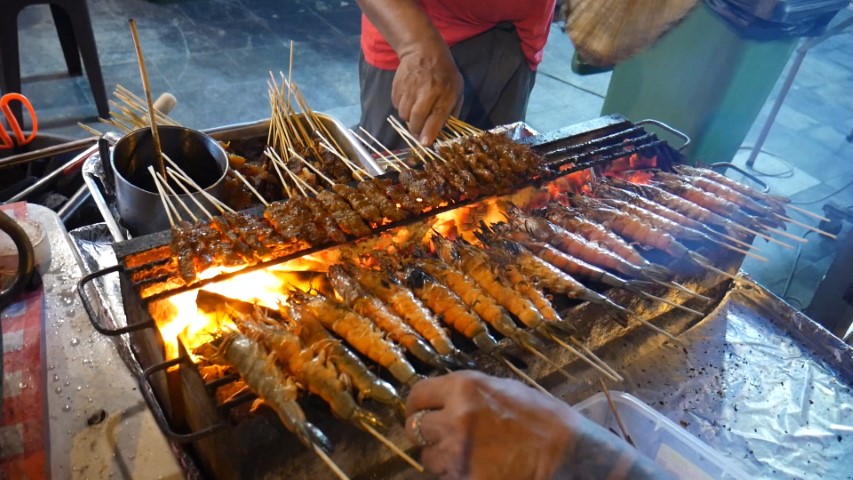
178, 315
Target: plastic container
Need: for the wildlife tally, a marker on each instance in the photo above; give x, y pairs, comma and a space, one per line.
659, 438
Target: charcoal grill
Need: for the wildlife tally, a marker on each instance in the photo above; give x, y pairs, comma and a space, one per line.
227, 442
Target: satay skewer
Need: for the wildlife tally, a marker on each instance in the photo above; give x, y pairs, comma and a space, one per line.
252, 189
392, 154
358, 172
596, 357
807, 226
274, 160
367, 144
169, 189
413, 143
147, 89
672, 304
547, 360
681, 288
172, 174
166, 202
788, 235
313, 168
186, 178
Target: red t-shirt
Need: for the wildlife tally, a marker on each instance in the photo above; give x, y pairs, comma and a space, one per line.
462, 19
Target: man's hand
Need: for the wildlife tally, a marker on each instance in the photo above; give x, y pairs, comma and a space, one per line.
483, 427
427, 89
473, 426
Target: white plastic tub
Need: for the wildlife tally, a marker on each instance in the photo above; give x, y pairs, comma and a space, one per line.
670, 446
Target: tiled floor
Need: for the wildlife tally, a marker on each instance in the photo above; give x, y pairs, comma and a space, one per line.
215, 56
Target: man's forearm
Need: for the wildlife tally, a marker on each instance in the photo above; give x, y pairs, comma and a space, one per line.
402, 23
595, 453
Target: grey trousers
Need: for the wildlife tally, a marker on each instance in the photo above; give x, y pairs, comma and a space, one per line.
498, 81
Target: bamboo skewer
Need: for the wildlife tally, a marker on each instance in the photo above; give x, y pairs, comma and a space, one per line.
413, 143
166, 202
390, 158
806, 212
672, 304
183, 204
762, 235
330, 463
547, 360
596, 357
585, 359
807, 226
616, 415
788, 235
523, 375
270, 153
394, 448
741, 251
221, 206
147, 89
681, 288
661, 331
183, 187
313, 168
249, 185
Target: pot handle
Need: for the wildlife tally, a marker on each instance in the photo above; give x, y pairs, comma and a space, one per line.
26, 259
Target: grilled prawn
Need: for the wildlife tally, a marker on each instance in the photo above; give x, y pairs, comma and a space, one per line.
450, 308
410, 309
306, 363
352, 369
360, 333
365, 304
260, 372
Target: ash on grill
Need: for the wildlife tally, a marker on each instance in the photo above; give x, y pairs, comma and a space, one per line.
506, 328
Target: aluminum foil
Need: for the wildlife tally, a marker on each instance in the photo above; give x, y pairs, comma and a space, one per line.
756, 380
94, 245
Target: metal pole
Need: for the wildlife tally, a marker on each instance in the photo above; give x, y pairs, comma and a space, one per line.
786, 87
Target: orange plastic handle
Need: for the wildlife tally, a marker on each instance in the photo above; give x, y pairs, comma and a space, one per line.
13, 122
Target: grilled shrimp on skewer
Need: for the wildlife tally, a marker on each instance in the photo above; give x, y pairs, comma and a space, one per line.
344, 361
733, 196
721, 206
475, 263
630, 227
450, 308
773, 201
573, 221
578, 247
260, 372
530, 266
410, 309
360, 333
306, 365
365, 304
476, 298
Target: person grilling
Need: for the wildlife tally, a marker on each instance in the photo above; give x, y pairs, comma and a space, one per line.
423, 61
474, 426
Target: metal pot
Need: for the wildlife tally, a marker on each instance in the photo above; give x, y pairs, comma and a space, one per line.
139, 205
